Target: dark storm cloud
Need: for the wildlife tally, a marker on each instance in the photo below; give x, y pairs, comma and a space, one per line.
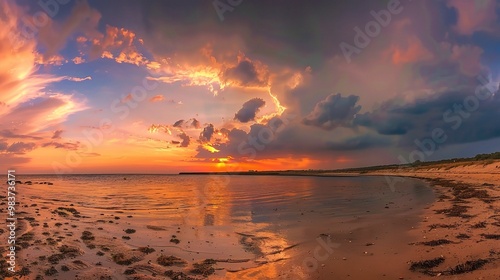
249, 110
230, 148
359, 142
178, 123
245, 74
206, 134
185, 139
292, 32
464, 115
279, 139
333, 112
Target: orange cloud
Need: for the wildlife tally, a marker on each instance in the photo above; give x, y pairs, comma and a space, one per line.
22, 86
203, 68
116, 43
50, 60
157, 98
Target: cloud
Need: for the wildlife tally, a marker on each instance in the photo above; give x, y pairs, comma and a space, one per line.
333, 111
78, 60
66, 145
56, 60
76, 79
474, 16
212, 70
157, 98
20, 147
178, 123
468, 57
185, 139
9, 134
154, 128
246, 73
410, 51
359, 142
119, 44
195, 123
54, 35
206, 134
249, 110
128, 97
57, 134
458, 112
3, 145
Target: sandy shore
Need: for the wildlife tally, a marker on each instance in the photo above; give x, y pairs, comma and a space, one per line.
457, 237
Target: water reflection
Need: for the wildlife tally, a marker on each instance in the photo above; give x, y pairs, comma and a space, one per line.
256, 227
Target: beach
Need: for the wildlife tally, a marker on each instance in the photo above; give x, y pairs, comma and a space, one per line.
459, 232
322, 228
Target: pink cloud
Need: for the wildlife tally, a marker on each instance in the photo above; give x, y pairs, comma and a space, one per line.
413, 52
468, 58
78, 60
474, 15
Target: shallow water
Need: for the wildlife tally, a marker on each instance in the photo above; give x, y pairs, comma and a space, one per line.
271, 221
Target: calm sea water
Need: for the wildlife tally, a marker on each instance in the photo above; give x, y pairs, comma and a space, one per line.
276, 201
214, 212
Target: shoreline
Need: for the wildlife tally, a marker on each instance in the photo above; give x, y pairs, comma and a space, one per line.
457, 236
455, 233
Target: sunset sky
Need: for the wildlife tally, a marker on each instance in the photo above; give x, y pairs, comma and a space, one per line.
230, 85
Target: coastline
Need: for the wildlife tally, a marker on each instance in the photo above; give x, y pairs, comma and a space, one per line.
455, 233
458, 234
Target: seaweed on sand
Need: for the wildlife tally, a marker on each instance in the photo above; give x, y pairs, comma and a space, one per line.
425, 266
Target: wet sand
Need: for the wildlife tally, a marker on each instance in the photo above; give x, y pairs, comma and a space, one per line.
457, 237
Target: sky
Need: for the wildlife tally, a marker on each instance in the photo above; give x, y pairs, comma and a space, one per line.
235, 85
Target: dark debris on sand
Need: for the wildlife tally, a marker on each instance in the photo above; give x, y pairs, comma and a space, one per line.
434, 226
491, 236
436, 242
55, 258
170, 261
468, 266
121, 259
146, 250
204, 268
463, 236
87, 235
178, 275
425, 266
455, 211
51, 271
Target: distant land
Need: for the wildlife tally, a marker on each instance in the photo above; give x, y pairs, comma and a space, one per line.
483, 158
